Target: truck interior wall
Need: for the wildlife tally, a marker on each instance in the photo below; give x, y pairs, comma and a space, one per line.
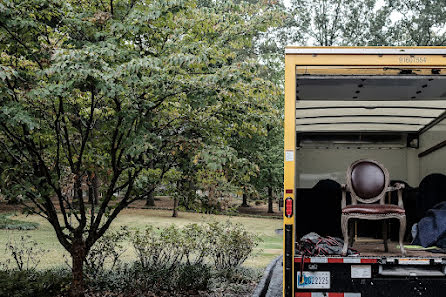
314, 164
434, 162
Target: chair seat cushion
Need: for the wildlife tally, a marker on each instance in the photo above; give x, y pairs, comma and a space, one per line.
373, 209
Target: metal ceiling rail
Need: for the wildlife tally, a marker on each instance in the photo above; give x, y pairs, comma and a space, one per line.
359, 123
370, 107
367, 51
433, 123
370, 77
371, 116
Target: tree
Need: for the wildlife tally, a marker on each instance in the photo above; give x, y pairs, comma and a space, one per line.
339, 22
108, 88
418, 23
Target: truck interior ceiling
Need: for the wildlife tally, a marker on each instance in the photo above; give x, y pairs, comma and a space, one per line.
395, 116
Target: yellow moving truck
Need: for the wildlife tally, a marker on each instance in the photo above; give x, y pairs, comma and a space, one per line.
344, 104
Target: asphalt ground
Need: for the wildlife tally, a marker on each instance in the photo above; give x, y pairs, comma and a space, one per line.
271, 283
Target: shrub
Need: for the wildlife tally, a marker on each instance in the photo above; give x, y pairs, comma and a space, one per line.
24, 253
160, 249
193, 277
107, 250
8, 224
231, 244
240, 282
195, 243
33, 283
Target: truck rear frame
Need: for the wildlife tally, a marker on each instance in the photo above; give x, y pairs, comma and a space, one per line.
369, 274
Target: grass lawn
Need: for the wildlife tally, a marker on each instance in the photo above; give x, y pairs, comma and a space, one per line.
270, 248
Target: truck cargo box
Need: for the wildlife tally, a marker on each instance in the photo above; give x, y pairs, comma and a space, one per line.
344, 104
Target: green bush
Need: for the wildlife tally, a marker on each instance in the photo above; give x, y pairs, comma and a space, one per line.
193, 277
33, 283
195, 244
159, 248
231, 244
226, 245
8, 224
170, 261
178, 259
106, 251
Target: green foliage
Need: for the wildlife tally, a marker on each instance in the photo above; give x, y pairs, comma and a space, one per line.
9, 224
240, 282
159, 249
340, 22
365, 22
127, 92
419, 22
225, 245
171, 259
47, 283
193, 277
132, 278
231, 245
106, 252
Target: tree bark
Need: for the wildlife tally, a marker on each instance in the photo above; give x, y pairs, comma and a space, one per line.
270, 200
245, 200
78, 254
175, 206
150, 199
90, 187
95, 183
77, 191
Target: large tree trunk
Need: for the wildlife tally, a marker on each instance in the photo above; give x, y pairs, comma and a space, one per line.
90, 187
150, 199
95, 183
245, 200
78, 254
175, 206
77, 191
270, 200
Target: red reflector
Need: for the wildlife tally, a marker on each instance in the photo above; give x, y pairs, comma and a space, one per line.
369, 261
289, 191
335, 260
288, 207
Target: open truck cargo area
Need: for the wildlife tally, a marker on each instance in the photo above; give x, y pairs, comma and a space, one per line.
343, 104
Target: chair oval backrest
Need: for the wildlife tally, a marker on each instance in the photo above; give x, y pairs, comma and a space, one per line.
367, 180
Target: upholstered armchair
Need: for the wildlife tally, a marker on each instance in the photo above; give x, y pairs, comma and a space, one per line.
368, 183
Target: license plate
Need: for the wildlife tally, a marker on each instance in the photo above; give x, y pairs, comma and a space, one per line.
314, 280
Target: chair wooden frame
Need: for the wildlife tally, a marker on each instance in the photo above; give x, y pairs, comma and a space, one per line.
380, 197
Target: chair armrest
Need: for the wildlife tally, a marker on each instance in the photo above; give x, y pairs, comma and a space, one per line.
395, 187
344, 191
398, 187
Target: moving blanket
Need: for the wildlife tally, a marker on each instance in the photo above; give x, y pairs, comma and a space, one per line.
313, 244
431, 230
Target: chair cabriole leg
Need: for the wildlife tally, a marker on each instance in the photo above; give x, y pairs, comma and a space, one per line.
384, 226
402, 232
351, 232
344, 227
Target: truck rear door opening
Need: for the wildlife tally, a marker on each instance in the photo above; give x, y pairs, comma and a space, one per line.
346, 104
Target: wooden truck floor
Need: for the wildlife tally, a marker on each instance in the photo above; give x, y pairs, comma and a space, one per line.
368, 247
